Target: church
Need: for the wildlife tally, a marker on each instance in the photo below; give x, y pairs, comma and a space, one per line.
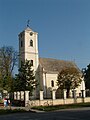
45, 69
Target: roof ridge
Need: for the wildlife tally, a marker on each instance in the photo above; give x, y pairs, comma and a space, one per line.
55, 65
57, 59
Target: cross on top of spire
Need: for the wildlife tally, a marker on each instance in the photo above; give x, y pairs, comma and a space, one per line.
28, 23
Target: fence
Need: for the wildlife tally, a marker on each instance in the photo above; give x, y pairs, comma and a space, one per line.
50, 102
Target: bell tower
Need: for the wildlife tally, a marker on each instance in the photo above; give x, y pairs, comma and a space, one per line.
28, 47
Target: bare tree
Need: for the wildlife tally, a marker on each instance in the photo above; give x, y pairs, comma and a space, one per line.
8, 60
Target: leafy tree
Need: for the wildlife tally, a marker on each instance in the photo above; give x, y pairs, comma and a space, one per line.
69, 78
25, 79
86, 73
8, 60
1, 82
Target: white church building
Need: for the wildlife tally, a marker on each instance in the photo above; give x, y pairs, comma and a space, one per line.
46, 69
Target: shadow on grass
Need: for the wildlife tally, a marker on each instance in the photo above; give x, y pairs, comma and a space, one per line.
58, 107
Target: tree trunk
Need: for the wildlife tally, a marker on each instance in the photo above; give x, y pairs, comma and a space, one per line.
68, 90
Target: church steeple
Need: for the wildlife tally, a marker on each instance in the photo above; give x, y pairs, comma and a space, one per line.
28, 47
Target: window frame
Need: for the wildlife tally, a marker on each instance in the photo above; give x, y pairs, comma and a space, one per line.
52, 83
31, 33
31, 43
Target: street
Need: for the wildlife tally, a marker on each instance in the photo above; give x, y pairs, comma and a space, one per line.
79, 114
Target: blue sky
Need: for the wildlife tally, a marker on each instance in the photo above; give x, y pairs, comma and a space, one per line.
63, 27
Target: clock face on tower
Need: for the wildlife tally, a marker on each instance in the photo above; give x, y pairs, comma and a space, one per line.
31, 33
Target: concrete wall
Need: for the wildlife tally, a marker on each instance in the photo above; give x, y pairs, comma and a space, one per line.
87, 99
49, 102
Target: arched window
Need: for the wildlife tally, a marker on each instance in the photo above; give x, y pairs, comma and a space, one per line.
52, 83
31, 62
31, 43
31, 33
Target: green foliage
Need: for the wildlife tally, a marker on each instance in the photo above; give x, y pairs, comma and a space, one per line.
87, 77
25, 80
1, 82
8, 83
69, 78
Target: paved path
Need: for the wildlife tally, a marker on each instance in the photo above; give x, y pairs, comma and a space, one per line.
77, 114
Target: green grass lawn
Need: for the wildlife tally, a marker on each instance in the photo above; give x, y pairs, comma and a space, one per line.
46, 108
58, 107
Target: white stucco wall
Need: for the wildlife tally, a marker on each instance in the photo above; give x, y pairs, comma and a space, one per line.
47, 78
26, 51
31, 53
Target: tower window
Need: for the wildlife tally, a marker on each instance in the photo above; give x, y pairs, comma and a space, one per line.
31, 43
31, 62
31, 33
52, 83
21, 43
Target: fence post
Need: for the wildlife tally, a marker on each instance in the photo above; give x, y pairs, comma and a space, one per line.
83, 89
26, 98
41, 95
64, 95
15, 95
53, 94
22, 95
74, 95
18, 95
